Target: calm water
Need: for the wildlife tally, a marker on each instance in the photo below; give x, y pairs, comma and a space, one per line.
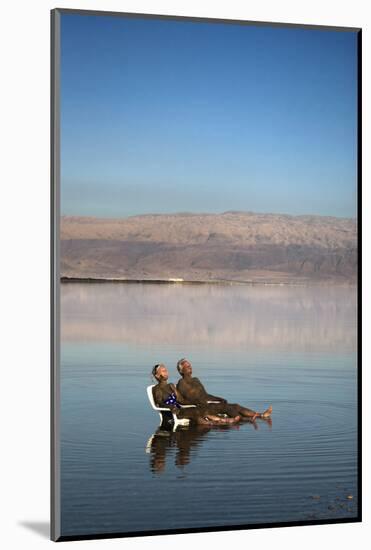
294, 348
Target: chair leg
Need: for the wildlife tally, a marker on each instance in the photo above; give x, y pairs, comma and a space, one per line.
166, 420
182, 422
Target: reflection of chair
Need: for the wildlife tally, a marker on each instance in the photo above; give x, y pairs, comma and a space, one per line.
159, 433
166, 415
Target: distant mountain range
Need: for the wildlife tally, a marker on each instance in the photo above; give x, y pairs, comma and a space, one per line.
233, 246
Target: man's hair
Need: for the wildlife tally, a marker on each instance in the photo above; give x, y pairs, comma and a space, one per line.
179, 365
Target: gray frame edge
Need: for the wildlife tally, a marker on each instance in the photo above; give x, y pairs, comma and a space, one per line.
199, 19
359, 267
55, 470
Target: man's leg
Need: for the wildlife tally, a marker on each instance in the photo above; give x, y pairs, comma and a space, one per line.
236, 409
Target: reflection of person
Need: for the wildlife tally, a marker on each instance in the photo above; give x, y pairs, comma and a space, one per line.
183, 441
194, 392
161, 441
166, 395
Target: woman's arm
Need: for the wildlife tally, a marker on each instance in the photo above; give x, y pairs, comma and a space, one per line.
160, 398
157, 396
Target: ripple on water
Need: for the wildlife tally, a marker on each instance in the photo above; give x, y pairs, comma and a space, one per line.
222, 476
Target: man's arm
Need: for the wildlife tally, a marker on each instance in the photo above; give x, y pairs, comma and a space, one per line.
216, 398
184, 396
209, 396
189, 394
182, 400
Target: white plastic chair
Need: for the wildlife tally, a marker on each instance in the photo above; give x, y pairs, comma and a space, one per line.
166, 414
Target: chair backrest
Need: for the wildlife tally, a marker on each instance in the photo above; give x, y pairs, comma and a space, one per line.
166, 411
150, 397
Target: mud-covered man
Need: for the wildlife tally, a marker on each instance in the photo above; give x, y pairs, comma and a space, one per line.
194, 392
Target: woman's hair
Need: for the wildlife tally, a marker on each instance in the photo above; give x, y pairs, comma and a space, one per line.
154, 370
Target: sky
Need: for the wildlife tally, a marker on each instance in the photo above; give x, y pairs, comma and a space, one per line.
165, 116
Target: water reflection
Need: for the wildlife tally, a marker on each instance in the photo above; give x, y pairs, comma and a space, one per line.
182, 445
305, 366
268, 318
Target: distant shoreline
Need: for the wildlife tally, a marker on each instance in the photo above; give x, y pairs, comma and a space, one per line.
93, 280
228, 249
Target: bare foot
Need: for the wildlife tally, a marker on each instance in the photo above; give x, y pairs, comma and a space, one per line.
267, 413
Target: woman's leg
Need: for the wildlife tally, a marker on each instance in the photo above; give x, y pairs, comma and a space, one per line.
221, 420
205, 416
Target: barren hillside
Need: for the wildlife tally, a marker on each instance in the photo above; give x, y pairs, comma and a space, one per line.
238, 246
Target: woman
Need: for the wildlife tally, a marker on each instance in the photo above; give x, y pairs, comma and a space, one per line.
166, 395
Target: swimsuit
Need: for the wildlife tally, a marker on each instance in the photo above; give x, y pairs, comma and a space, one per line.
171, 400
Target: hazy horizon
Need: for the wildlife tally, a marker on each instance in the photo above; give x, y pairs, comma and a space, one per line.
204, 213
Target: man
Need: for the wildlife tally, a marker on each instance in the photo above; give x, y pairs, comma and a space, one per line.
194, 392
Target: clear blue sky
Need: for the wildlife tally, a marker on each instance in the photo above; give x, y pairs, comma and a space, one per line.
173, 116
